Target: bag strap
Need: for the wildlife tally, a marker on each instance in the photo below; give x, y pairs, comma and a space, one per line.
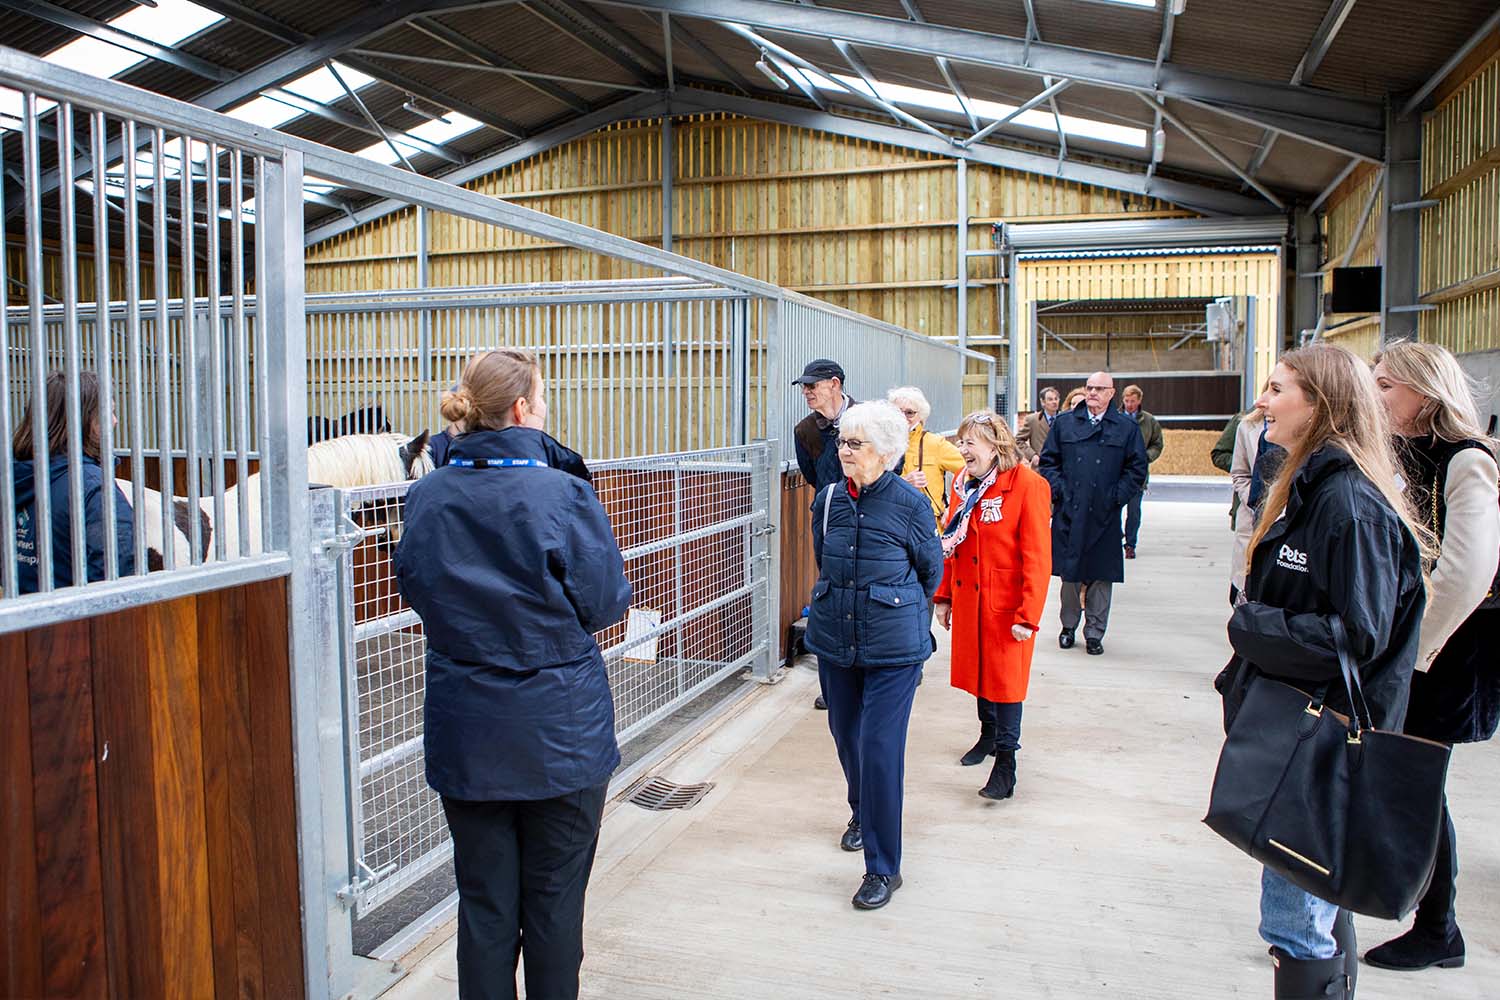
827, 506
1352, 685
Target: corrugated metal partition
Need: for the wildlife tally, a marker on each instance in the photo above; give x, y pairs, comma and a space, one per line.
1461, 234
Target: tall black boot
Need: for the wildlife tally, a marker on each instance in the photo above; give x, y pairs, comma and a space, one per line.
986, 745
1002, 783
1434, 939
1310, 979
1343, 933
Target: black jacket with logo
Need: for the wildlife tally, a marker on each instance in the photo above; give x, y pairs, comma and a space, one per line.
1339, 550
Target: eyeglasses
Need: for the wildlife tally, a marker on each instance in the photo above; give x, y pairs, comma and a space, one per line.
853, 444
1098, 388
910, 413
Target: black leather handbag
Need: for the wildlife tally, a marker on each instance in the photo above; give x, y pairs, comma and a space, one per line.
1342, 810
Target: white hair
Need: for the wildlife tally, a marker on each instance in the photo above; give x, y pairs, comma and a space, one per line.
882, 425
911, 394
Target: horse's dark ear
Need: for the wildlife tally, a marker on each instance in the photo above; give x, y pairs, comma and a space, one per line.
412, 450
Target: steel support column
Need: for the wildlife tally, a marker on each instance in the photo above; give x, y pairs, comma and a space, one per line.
668, 166
962, 202
1401, 231
1306, 300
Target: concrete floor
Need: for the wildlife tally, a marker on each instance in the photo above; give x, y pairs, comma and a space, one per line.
1097, 880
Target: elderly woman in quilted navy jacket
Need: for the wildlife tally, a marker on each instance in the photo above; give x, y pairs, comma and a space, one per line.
879, 562
513, 566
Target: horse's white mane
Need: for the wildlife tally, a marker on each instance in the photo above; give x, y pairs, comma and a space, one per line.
362, 460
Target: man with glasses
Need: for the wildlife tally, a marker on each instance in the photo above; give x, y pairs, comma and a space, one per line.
815, 437
1095, 460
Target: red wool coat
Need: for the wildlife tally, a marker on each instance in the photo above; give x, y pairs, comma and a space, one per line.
996, 578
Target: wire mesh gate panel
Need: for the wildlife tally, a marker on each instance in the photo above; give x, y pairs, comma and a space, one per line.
693, 528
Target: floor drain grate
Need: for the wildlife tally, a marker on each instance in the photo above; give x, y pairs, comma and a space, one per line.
657, 794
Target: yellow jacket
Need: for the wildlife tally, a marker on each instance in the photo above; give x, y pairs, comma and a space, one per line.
934, 455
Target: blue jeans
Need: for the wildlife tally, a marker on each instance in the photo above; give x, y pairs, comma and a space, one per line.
1294, 921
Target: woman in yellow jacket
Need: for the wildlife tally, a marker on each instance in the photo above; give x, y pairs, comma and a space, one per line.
928, 455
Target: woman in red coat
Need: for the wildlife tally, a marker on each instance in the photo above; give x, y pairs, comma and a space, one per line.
997, 550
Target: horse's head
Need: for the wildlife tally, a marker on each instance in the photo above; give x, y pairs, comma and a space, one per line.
415, 458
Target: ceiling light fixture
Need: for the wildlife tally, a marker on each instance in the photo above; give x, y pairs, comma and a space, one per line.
763, 64
416, 109
1158, 145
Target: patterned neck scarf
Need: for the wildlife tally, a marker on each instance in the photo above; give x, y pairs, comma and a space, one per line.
958, 524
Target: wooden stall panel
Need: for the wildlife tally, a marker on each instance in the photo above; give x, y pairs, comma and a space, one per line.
21, 966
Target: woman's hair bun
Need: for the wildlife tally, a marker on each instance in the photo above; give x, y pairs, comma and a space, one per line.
457, 405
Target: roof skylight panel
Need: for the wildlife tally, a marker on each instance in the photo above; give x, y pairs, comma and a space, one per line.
168, 23
321, 85
439, 132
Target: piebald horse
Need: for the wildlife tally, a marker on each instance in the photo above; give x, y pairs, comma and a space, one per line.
345, 462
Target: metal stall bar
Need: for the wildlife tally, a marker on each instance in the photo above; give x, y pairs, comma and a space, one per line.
103, 347
9, 586
71, 348
36, 398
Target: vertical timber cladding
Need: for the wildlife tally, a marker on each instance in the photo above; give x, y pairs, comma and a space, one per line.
1168, 276
1341, 229
869, 227
1461, 234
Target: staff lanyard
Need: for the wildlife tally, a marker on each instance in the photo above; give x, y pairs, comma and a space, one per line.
498, 463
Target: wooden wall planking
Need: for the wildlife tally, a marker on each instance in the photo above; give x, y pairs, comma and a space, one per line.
154, 847
1461, 234
865, 226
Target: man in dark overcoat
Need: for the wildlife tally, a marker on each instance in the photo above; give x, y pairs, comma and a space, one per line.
1095, 460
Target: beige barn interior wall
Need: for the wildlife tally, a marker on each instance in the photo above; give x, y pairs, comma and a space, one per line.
1341, 228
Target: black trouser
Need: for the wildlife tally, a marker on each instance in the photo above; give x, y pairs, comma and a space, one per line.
1436, 912
1003, 720
522, 869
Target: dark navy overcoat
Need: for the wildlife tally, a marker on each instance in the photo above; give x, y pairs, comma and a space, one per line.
512, 570
879, 563
1094, 470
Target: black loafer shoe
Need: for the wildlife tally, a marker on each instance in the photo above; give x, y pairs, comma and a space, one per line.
1095, 647
820, 704
875, 891
1130, 552
852, 840
1065, 638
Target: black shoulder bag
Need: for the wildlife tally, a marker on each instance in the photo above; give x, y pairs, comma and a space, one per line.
1344, 811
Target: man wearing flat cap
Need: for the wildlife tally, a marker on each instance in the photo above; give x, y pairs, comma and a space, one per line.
816, 435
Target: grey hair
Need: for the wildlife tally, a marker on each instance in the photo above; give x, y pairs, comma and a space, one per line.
911, 394
882, 425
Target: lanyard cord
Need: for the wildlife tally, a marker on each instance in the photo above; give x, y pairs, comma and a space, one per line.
498, 463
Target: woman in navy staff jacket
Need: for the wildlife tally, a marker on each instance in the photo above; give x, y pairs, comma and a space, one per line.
512, 565
97, 489
879, 563
1334, 544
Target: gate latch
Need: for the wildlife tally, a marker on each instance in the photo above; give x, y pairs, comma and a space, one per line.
364, 879
344, 540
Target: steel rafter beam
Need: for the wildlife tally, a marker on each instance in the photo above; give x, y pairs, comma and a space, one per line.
1317, 50
459, 42
436, 95
731, 75
344, 118
1353, 123
1480, 34
1163, 53
786, 55
635, 106
1214, 152
54, 14
945, 68
1045, 96
688, 100
481, 67
608, 43
315, 51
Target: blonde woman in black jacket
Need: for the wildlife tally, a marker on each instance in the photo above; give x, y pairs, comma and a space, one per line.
1449, 466
1333, 540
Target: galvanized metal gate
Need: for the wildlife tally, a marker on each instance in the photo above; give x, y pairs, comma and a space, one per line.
695, 531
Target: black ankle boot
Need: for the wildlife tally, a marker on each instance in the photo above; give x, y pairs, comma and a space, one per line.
1310, 979
1002, 783
1419, 948
976, 755
1343, 934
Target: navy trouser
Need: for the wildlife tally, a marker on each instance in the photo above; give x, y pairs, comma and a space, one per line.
1004, 719
522, 870
868, 711
1133, 518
